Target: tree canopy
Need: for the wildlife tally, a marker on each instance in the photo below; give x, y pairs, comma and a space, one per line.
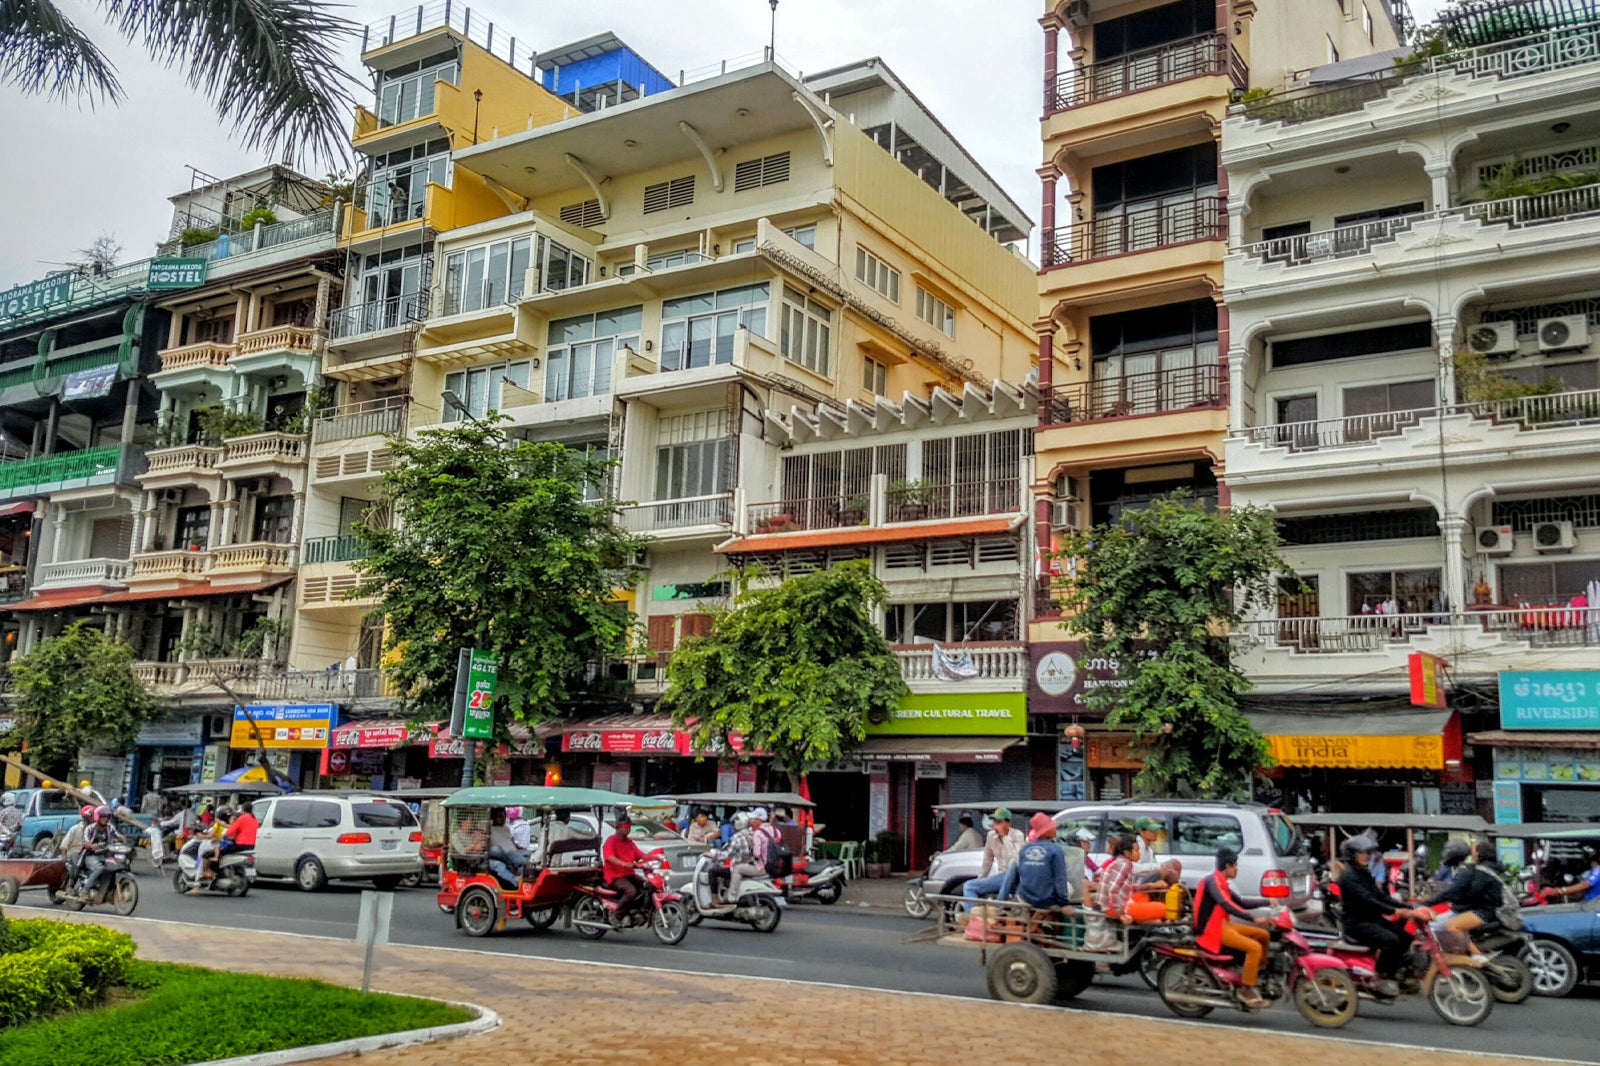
77, 691
1158, 592
494, 546
794, 668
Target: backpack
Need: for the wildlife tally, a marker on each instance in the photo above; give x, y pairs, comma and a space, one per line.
1509, 912
780, 858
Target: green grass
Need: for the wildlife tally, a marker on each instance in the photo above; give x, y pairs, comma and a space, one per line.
166, 1015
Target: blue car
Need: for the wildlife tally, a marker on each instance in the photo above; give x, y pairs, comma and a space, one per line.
1566, 946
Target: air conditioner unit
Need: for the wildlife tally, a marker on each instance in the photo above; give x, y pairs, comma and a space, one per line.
1553, 536
1493, 338
1077, 13
218, 725
1066, 514
171, 495
1494, 540
1569, 331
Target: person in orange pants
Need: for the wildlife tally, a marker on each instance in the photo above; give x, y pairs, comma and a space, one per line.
1215, 904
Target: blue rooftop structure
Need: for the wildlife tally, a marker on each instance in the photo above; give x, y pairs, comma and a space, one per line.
599, 71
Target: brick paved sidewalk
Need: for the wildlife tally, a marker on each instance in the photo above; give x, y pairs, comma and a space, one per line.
573, 1014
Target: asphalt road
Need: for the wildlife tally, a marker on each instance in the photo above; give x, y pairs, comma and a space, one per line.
847, 945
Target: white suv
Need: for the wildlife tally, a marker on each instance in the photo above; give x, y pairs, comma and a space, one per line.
315, 836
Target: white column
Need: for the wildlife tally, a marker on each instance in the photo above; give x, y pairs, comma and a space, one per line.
58, 536
1446, 330
1439, 174
1455, 570
1236, 362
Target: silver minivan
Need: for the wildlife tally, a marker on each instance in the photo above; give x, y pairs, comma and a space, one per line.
313, 837
1274, 862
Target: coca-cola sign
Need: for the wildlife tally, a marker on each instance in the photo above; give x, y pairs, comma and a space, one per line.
658, 740
626, 741
589, 741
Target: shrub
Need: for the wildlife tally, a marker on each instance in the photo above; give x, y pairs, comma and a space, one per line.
56, 965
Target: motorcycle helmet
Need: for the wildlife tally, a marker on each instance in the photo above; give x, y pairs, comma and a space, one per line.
1455, 853
741, 821
102, 814
8, 800
1357, 845
86, 813
1590, 855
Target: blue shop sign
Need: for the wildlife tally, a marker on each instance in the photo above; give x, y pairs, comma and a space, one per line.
1550, 699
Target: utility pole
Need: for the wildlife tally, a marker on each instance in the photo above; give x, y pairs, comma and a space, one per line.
772, 33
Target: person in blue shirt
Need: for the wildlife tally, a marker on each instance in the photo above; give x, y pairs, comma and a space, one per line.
1588, 885
1039, 876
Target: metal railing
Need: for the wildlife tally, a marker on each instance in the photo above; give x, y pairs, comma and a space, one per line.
816, 512
332, 683
366, 418
397, 312
992, 661
1556, 410
24, 476
1557, 205
1140, 230
1191, 57
1541, 627
337, 549
1331, 243
664, 515
1337, 432
1158, 392
261, 236
919, 501
415, 21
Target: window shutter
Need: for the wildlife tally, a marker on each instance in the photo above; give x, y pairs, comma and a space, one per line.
696, 625
586, 214
754, 173
660, 632
675, 193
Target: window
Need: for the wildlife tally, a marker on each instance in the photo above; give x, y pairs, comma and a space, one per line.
54, 802
754, 173
875, 377
1297, 409
485, 277
699, 330
805, 333
1379, 214
194, 527
679, 192
925, 623
1408, 523
878, 275
1154, 359
659, 632
1152, 28
398, 189
381, 815
1407, 591
693, 455
935, 312
1333, 50
1546, 583
1398, 396
1069, 824
804, 235
305, 814
213, 330
1379, 340
274, 520
982, 470
582, 350
481, 389
586, 214
1203, 834
406, 93
681, 257
1366, 24
1287, 231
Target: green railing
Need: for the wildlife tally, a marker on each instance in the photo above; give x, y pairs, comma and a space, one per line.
46, 474
59, 367
333, 549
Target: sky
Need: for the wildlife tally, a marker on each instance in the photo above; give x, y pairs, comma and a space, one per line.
977, 64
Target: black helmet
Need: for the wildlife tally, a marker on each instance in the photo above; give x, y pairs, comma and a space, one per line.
1590, 855
1227, 857
1455, 853
1357, 845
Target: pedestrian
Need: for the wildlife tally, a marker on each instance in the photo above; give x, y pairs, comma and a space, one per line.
970, 839
151, 803
1000, 849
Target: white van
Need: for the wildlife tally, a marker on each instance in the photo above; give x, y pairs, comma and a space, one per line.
313, 837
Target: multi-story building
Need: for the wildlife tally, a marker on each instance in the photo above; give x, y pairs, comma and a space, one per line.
1133, 336
1412, 295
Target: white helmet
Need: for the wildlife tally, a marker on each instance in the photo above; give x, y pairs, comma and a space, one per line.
8, 800
741, 821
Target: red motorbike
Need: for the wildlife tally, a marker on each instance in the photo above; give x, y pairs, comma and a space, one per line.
1193, 982
597, 910
1454, 985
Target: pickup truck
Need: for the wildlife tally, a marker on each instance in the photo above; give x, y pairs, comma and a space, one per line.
47, 814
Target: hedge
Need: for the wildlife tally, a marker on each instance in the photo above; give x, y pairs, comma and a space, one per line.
53, 966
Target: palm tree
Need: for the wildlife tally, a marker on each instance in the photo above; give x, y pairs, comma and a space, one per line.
271, 66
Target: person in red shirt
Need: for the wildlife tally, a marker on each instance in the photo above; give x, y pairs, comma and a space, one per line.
621, 855
1214, 905
241, 836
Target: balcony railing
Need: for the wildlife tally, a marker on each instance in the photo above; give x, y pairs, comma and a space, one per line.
666, 515
340, 549
333, 685
816, 512
1191, 57
1541, 627
237, 673
254, 555
1331, 243
277, 338
184, 458
170, 564
206, 353
960, 499
397, 312
91, 466
1203, 218
999, 661
1558, 205
13, 587
270, 447
1337, 432
1159, 392
82, 572
1556, 410
367, 418
320, 224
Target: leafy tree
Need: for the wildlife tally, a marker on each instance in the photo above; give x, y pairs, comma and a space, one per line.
1158, 592
77, 690
795, 667
272, 67
494, 546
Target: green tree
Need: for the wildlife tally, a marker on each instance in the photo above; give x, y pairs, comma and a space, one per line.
493, 545
77, 691
796, 668
1158, 592
272, 67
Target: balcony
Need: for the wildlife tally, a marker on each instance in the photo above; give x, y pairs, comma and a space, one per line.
79, 572
325, 686
265, 245
277, 340
253, 557
1531, 627
340, 549
1191, 57
180, 465
199, 676
1203, 218
694, 516
1000, 666
170, 565
204, 355
1330, 244
261, 453
1181, 388
366, 340
69, 470
383, 417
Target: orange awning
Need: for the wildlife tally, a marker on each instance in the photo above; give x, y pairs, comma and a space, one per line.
198, 591
60, 599
859, 535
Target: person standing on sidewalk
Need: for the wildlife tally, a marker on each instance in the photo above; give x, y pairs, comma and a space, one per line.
1000, 850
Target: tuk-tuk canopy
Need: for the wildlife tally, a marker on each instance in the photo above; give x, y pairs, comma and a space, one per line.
225, 788
1425, 823
539, 797
1546, 830
743, 799
419, 795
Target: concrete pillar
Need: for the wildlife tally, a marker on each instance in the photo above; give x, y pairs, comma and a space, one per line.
1052, 69
1047, 373
1453, 527
51, 424
58, 535
1047, 203
1439, 174
175, 330
1236, 360
1446, 330
219, 513
299, 518
147, 529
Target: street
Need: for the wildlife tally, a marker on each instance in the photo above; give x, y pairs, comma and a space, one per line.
840, 945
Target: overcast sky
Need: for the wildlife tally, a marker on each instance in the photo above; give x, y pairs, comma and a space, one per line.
75, 174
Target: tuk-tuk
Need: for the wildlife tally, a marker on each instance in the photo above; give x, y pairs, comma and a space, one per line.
565, 853
425, 802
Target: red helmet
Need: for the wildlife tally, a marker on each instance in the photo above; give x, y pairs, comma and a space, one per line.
87, 813
102, 814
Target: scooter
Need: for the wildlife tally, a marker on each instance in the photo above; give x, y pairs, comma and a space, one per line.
596, 909
760, 903
1454, 985
823, 882
102, 878
235, 873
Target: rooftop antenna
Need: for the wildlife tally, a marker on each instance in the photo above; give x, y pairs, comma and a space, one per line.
772, 33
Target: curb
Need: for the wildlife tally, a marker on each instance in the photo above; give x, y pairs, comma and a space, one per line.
486, 1021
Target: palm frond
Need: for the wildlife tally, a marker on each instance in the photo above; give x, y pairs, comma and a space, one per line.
271, 66
41, 51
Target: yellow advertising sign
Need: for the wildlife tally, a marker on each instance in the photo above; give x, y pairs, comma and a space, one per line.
1360, 753
283, 725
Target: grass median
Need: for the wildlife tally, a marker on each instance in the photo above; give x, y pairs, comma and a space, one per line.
168, 1015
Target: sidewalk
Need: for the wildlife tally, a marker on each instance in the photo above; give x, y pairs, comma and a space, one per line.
595, 1015
885, 893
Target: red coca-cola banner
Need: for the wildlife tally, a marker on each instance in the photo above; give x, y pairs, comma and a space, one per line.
626, 741
357, 735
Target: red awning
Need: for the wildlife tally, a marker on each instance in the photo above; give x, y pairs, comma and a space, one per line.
762, 543
60, 599
20, 507
196, 592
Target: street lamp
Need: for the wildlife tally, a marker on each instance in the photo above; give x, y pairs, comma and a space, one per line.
477, 98
452, 401
772, 33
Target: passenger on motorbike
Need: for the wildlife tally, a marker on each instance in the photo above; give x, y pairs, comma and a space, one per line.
1214, 905
1364, 908
621, 856
10, 823
239, 836
72, 843
745, 855
1473, 893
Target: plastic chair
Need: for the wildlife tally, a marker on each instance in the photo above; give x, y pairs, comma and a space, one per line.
850, 855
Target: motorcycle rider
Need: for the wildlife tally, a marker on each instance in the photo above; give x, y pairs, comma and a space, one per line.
72, 843
239, 836
1364, 908
96, 840
1214, 904
1588, 886
10, 823
621, 855
745, 852
1473, 892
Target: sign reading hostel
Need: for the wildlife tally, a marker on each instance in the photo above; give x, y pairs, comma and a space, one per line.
56, 289
975, 714
176, 273
483, 670
1550, 699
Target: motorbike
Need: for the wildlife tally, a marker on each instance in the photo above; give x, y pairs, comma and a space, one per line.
823, 882
596, 909
1510, 976
1193, 982
916, 901
102, 878
235, 873
1454, 985
760, 903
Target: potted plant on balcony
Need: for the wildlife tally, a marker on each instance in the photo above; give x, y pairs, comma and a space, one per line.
263, 215
782, 522
853, 511
910, 500
219, 423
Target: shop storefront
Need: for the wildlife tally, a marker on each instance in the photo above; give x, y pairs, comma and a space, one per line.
1092, 762
375, 754
647, 755
1547, 749
1384, 760
171, 751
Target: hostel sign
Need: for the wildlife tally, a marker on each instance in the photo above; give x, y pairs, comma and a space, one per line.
176, 274
36, 295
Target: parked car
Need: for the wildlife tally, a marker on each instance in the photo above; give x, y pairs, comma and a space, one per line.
47, 814
1273, 859
315, 837
1566, 946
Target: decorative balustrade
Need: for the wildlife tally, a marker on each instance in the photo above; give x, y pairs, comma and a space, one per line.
1138, 230
254, 555
82, 572
169, 564
183, 458
1003, 661
160, 675
205, 353
1337, 432
369, 417
329, 685
1331, 243
1178, 388
199, 673
277, 338
1191, 57
1540, 627
1556, 410
666, 515
1557, 205
270, 447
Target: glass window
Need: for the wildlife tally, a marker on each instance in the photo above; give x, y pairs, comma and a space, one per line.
194, 527
1285, 837
805, 332
935, 312
806, 235
582, 352
407, 93
697, 469
290, 813
1069, 824
877, 275
322, 814
482, 389
381, 815
699, 330
875, 377
1394, 592
274, 519
1203, 834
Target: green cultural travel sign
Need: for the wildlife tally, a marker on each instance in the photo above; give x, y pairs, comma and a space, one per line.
56, 289
968, 714
483, 670
176, 273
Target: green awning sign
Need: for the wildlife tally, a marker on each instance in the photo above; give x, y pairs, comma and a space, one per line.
483, 670
56, 289
176, 273
991, 714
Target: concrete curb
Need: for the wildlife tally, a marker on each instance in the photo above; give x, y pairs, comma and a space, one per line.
486, 1021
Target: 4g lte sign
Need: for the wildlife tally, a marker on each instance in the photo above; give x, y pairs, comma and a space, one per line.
483, 670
